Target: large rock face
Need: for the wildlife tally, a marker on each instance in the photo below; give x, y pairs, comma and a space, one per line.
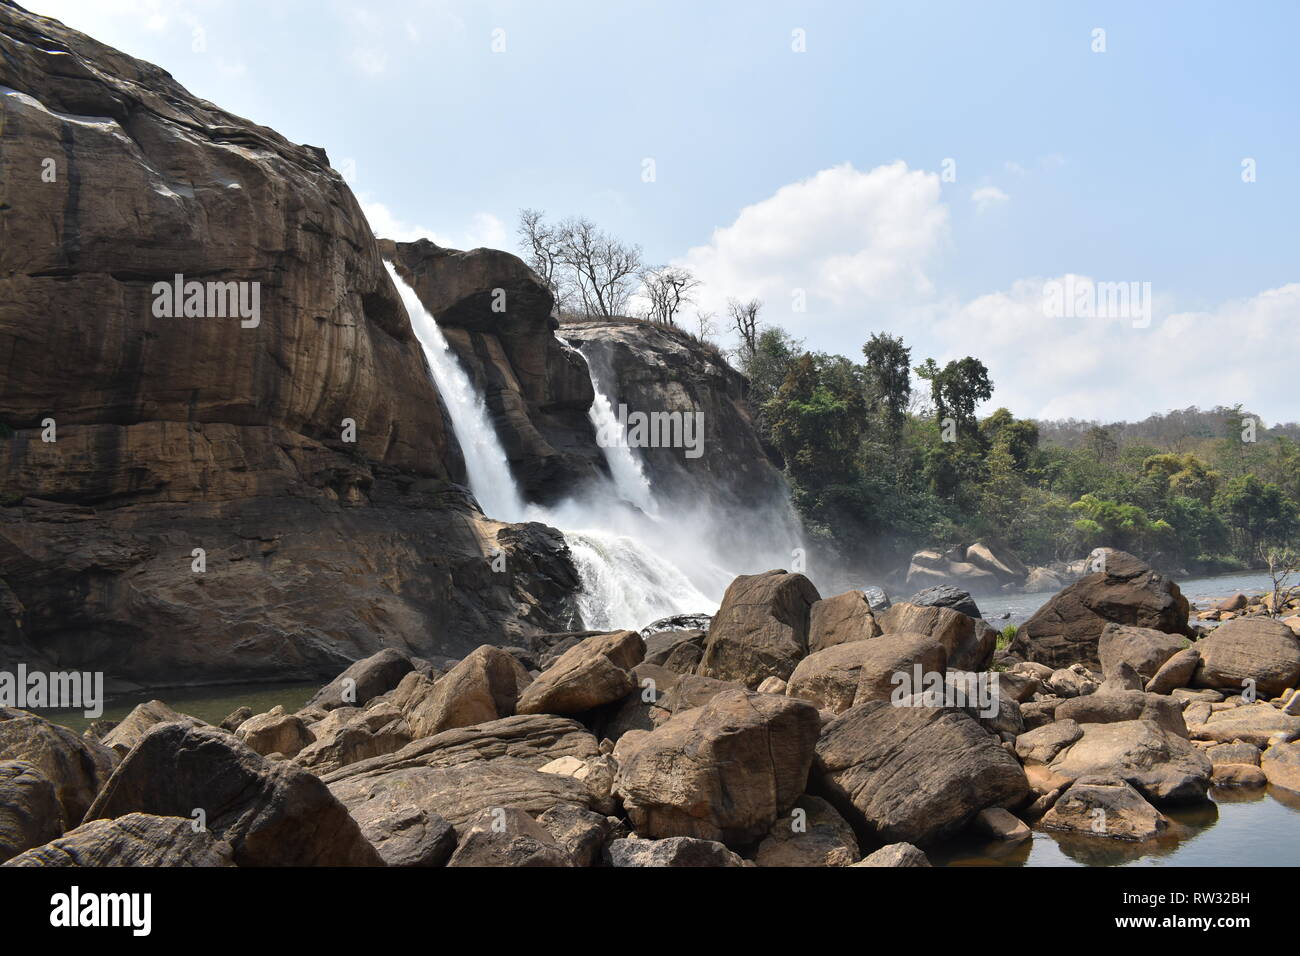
761, 630
217, 433
650, 368
913, 774
1066, 629
537, 388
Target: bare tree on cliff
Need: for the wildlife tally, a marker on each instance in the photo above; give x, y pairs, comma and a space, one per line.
744, 319
603, 268
667, 289
541, 245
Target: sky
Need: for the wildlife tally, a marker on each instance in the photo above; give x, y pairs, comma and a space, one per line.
979, 178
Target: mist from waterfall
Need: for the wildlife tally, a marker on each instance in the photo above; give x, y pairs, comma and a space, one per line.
626, 580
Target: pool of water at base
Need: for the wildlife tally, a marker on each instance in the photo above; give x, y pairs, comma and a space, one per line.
211, 704
1254, 827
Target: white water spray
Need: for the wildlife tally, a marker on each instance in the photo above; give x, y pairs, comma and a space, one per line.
625, 584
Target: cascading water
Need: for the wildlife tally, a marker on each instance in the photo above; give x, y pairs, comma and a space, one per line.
625, 584
486, 464
625, 468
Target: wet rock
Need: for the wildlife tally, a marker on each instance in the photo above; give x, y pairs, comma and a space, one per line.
947, 596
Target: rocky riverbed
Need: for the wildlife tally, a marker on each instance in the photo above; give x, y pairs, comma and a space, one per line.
773, 734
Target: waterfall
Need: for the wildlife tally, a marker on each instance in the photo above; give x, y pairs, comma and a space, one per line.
625, 583
625, 468
486, 464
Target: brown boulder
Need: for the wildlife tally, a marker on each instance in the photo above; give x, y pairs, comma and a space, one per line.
136, 839
1067, 628
1143, 648
969, 642
30, 813
484, 686
811, 834
844, 674
77, 767
507, 836
271, 813
913, 774
1257, 649
596, 671
761, 629
724, 771
841, 619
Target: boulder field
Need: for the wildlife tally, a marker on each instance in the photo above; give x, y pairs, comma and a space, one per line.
596, 755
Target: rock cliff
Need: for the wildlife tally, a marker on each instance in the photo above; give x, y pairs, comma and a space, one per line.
217, 492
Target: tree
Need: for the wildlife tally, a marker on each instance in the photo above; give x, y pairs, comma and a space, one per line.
585, 268
666, 289
705, 326
957, 389
744, 320
889, 382
542, 245
604, 268
1284, 573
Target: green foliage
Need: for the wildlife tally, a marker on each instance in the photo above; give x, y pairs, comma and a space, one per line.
875, 481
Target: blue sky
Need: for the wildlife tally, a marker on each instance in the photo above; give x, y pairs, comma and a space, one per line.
822, 170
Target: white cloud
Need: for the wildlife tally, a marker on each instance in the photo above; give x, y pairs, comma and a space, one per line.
988, 196
863, 245
1107, 368
842, 236
485, 229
